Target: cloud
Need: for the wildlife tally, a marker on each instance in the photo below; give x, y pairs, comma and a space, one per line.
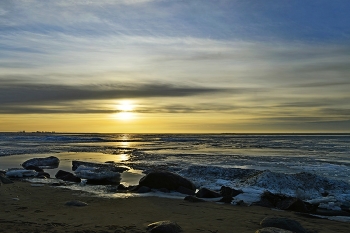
19, 93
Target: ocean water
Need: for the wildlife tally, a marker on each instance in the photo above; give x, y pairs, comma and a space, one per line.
306, 166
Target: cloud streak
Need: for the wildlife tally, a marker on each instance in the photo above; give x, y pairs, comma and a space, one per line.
41, 93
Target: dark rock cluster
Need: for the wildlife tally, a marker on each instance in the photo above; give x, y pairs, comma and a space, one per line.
284, 202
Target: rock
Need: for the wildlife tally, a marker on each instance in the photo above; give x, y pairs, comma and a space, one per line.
165, 179
230, 192
186, 191
226, 199
76, 203
164, 190
35, 168
56, 184
143, 189
48, 162
284, 202
283, 223
241, 203
193, 199
43, 175
5, 180
294, 204
98, 175
109, 166
20, 173
67, 176
122, 187
164, 227
272, 230
345, 207
207, 193
133, 188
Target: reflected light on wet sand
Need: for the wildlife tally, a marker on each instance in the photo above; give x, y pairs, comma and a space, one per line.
123, 157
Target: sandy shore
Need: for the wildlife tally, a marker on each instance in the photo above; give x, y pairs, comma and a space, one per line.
24, 208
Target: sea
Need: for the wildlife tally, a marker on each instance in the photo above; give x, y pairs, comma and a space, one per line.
313, 167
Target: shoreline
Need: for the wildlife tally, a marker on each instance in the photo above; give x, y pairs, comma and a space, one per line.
28, 208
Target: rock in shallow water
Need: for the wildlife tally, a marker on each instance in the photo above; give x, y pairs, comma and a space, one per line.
48, 162
67, 176
98, 175
109, 166
165, 179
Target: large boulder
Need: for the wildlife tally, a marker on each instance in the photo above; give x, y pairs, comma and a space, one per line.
67, 176
165, 179
98, 175
48, 162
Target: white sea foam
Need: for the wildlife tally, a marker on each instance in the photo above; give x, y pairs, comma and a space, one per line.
306, 186
20, 172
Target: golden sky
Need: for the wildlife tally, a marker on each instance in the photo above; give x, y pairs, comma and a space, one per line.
156, 66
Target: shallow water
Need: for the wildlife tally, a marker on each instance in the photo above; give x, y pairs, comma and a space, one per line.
326, 155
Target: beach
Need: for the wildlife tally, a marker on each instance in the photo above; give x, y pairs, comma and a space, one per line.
27, 207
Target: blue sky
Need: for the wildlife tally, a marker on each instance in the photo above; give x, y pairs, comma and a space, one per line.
191, 66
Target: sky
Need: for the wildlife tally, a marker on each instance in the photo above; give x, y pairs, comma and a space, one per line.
175, 66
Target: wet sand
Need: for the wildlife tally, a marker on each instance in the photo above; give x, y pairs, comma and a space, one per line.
24, 208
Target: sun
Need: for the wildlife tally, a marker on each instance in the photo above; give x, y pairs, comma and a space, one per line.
125, 106
125, 110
